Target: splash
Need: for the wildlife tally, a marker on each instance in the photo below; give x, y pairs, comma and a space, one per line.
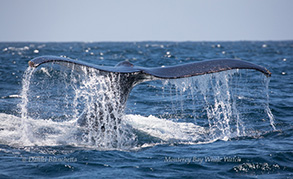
80, 106
228, 104
74, 106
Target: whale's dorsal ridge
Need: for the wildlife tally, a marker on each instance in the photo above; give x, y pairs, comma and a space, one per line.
124, 64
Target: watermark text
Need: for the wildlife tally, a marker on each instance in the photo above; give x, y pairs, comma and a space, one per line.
48, 159
210, 159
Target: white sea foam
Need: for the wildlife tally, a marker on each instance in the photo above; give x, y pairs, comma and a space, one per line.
166, 130
49, 133
41, 132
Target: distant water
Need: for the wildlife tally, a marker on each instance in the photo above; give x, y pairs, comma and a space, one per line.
231, 124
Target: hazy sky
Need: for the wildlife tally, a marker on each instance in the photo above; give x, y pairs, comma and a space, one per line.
141, 20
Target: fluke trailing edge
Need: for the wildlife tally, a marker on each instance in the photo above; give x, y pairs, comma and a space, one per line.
172, 72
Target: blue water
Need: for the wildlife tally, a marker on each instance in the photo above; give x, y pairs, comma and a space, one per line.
233, 124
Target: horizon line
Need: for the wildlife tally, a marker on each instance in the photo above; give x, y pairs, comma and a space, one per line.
141, 41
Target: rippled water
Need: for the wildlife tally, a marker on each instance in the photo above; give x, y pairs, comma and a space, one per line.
230, 124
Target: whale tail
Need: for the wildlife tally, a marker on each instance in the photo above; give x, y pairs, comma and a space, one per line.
131, 75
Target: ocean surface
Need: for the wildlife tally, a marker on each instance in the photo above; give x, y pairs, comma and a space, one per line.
232, 124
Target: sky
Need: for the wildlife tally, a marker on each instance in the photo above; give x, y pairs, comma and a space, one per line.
145, 20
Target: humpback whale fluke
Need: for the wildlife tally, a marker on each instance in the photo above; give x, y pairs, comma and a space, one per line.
172, 72
131, 75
